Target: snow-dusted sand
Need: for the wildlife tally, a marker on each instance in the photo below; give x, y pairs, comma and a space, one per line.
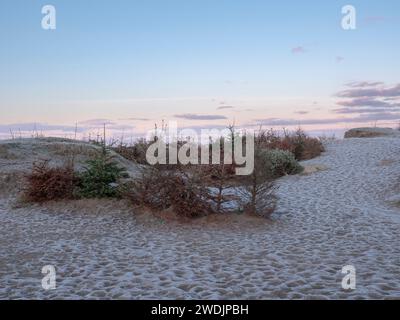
344, 214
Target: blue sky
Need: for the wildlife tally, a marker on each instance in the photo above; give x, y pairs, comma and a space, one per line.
131, 63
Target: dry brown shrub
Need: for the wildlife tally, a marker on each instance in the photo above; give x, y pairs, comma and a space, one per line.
298, 142
135, 152
45, 183
185, 193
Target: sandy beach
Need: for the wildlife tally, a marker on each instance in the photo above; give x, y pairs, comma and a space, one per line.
344, 214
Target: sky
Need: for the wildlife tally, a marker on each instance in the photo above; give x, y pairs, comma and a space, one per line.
202, 63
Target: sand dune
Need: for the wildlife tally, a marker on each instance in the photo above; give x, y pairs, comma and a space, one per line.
326, 219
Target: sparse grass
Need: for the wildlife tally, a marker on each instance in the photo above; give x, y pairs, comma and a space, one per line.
396, 204
6, 154
363, 134
61, 149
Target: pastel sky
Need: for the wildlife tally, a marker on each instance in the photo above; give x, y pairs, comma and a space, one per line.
203, 63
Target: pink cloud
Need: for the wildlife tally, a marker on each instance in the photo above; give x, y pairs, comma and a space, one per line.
299, 49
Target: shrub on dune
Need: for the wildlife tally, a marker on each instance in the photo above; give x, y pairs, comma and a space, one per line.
135, 152
258, 194
281, 162
186, 194
45, 183
298, 142
100, 178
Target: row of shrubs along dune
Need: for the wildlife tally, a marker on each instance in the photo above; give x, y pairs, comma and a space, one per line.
301, 145
99, 179
187, 191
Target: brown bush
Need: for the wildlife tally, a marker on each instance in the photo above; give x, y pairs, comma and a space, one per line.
189, 197
313, 147
186, 194
298, 142
135, 152
45, 183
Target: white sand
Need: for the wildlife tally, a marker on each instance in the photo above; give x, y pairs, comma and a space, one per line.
324, 221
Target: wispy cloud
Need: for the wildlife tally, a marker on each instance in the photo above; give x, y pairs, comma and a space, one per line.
96, 122
37, 127
58, 130
298, 50
339, 59
225, 107
120, 127
135, 119
367, 102
206, 127
191, 116
361, 110
302, 112
369, 97
92, 124
359, 119
363, 84
371, 91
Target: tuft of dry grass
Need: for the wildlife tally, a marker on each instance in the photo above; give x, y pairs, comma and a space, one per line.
386, 162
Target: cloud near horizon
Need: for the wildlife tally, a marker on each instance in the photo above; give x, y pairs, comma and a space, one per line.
225, 107
360, 110
295, 122
192, 116
99, 123
302, 112
368, 97
134, 119
33, 127
375, 90
38, 128
96, 122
